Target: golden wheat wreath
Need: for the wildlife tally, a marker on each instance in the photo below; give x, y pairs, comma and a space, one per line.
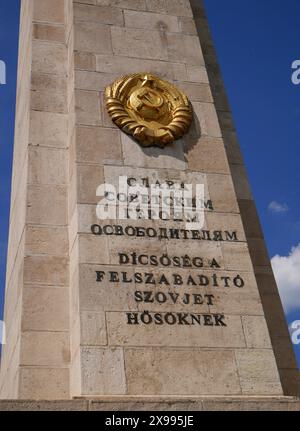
150, 109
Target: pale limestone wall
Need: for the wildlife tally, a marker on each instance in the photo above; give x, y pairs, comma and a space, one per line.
113, 38
35, 362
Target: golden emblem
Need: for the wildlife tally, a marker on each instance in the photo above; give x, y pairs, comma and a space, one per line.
150, 109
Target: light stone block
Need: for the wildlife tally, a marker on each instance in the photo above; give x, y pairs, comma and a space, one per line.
132, 245
256, 332
47, 166
85, 61
49, 93
88, 108
211, 250
205, 154
48, 129
93, 329
196, 92
49, 58
98, 14
236, 256
222, 193
156, 6
225, 222
96, 297
179, 7
47, 205
45, 349
98, 145
103, 371
124, 4
209, 372
45, 309
125, 65
93, 81
132, 43
44, 383
197, 74
46, 11
172, 157
90, 177
48, 32
92, 37
151, 21
238, 301
258, 372
187, 26
184, 47
206, 119
93, 250
47, 240
46, 270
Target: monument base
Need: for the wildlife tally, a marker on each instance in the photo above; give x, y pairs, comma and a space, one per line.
195, 404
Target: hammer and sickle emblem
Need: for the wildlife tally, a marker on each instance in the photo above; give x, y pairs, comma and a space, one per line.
152, 110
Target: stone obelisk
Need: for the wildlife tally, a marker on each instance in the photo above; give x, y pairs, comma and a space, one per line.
131, 308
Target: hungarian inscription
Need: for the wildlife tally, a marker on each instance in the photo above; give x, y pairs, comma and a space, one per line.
158, 282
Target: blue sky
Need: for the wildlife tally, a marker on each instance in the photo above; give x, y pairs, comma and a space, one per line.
9, 27
256, 41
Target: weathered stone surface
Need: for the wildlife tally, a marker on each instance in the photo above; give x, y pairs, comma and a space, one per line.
258, 372
48, 129
49, 12
103, 371
93, 81
206, 154
32, 406
132, 43
184, 47
47, 166
121, 65
172, 157
45, 309
46, 204
45, 349
92, 37
32, 383
49, 58
99, 14
93, 329
88, 108
98, 145
47, 240
256, 332
204, 368
90, 177
151, 21
51, 33
206, 119
49, 93
48, 270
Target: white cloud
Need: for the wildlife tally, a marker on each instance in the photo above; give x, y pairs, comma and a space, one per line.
287, 274
277, 207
